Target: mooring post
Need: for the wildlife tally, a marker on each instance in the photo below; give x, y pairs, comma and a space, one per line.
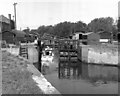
39, 55
59, 47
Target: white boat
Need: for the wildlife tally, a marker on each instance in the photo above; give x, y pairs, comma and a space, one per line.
47, 55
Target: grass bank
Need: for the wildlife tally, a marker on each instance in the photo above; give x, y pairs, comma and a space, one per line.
16, 79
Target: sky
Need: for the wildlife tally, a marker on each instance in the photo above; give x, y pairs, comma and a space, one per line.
35, 13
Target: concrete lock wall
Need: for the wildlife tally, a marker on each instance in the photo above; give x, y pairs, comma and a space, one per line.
108, 57
84, 53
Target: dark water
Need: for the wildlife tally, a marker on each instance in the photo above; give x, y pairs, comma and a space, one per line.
79, 78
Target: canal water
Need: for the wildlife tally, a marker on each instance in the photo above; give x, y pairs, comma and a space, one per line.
80, 78
84, 79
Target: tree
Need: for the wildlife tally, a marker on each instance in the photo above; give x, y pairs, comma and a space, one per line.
50, 29
27, 30
41, 30
80, 27
114, 31
63, 29
101, 24
118, 24
45, 29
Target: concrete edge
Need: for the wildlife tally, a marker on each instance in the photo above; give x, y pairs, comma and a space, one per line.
40, 80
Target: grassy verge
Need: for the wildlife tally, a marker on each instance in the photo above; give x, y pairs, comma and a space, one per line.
16, 79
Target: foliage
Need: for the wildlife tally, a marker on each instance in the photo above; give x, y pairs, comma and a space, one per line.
64, 29
27, 30
45, 29
80, 27
101, 24
118, 25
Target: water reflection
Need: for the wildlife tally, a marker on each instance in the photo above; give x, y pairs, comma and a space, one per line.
87, 71
67, 71
79, 78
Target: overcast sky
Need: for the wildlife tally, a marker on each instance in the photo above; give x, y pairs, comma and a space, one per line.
34, 13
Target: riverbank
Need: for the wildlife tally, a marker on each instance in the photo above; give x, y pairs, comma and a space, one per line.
19, 76
16, 79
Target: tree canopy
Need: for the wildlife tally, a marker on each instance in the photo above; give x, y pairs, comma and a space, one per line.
101, 24
64, 29
118, 25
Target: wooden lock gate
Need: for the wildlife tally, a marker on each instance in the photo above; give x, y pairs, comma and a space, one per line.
68, 50
23, 51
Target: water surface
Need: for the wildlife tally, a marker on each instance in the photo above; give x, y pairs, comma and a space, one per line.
79, 78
